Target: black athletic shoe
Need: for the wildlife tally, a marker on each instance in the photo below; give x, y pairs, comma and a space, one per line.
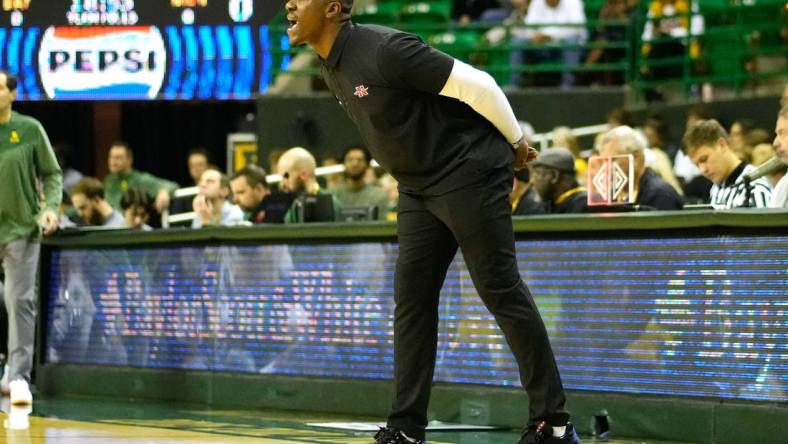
542, 433
394, 436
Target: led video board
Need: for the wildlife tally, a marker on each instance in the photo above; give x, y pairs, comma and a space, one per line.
127, 50
688, 316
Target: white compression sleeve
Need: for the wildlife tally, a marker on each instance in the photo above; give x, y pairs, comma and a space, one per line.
479, 90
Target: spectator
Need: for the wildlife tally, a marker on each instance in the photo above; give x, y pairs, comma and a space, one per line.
657, 160
737, 134
549, 25
354, 192
615, 118
211, 205
516, 16
780, 194
136, 207
668, 25
88, 199
252, 194
707, 145
123, 176
332, 180
753, 138
297, 168
651, 190
525, 200
198, 161
696, 186
467, 11
657, 134
554, 178
613, 24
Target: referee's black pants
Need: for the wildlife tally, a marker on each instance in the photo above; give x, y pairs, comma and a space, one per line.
478, 219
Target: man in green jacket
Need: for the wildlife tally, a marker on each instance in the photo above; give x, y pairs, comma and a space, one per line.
123, 176
25, 155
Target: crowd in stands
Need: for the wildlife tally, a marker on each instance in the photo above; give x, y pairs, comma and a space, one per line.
708, 167
667, 45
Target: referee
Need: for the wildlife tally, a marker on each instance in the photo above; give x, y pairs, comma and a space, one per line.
446, 132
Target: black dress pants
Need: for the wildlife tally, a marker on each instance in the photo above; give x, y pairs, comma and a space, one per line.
477, 219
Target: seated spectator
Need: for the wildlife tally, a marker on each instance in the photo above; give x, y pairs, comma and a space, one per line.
519, 8
657, 134
548, 24
651, 190
612, 27
332, 180
660, 152
198, 161
123, 176
87, 196
554, 178
297, 168
136, 207
252, 194
696, 186
707, 145
353, 191
525, 200
616, 117
737, 135
780, 194
753, 138
467, 11
211, 205
665, 35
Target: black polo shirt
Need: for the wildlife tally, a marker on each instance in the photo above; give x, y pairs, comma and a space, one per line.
388, 82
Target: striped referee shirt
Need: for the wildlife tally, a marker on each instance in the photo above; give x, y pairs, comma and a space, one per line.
732, 193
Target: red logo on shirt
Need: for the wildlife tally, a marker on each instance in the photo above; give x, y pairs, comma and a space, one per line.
361, 91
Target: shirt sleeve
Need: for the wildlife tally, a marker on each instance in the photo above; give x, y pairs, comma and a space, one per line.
407, 62
478, 90
48, 168
152, 184
761, 193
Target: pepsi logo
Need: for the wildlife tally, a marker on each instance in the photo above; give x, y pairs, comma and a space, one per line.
102, 62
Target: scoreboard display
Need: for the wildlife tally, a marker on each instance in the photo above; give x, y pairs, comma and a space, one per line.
132, 13
133, 50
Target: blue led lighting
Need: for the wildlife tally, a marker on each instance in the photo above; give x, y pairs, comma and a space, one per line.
638, 316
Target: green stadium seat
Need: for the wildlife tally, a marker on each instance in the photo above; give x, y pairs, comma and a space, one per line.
383, 13
424, 12
458, 44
